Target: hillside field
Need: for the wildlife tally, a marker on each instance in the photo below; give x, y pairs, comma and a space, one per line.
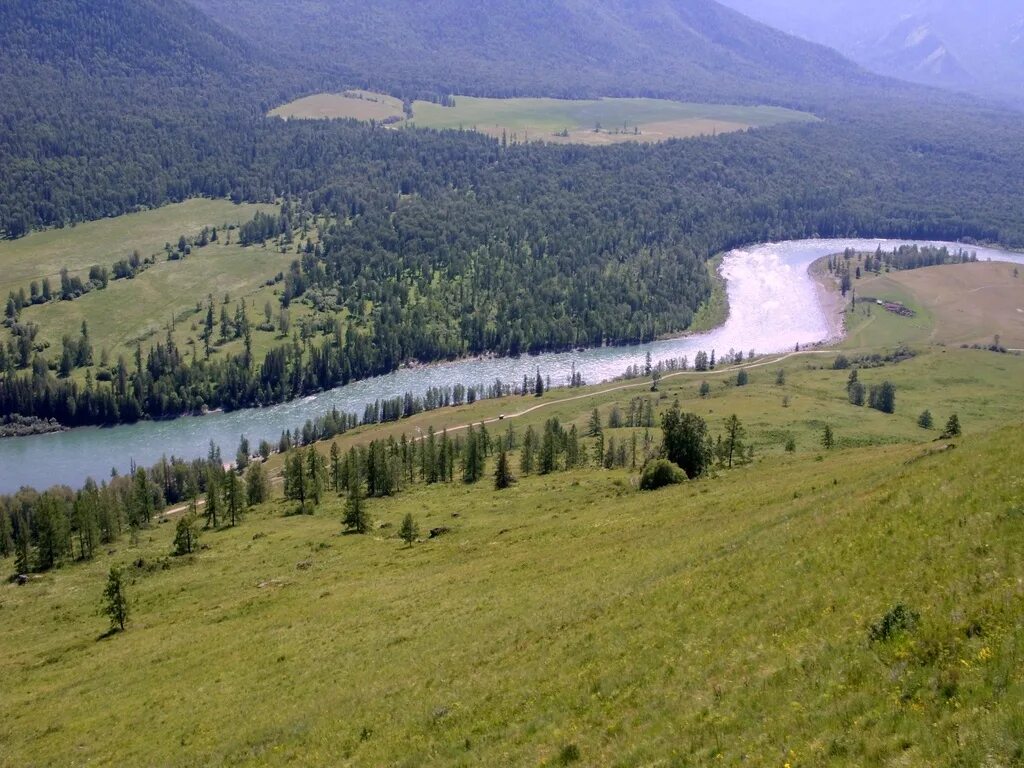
44, 254
585, 121
966, 303
726, 619
132, 310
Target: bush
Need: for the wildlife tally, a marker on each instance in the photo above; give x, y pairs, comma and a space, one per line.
660, 473
898, 619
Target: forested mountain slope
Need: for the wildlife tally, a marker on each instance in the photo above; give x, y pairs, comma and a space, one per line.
108, 106
692, 49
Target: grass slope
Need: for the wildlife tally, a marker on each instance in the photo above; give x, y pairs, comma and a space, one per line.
132, 310
724, 619
44, 254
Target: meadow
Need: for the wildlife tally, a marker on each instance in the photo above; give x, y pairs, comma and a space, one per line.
585, 121
356, 105
963, 303
165, 293
43, 254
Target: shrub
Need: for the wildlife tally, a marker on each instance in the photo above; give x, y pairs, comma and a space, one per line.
660, 473
570, 754
898, 619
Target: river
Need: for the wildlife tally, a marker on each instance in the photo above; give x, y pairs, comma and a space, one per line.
774, 305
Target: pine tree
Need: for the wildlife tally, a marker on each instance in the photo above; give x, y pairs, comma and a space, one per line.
6, 537
22, 548
316, 471
828, 439
409, 530
296, 487
142, 501
546, 463
212, 507
503, 474
733, 442
925, 420
242, 455
335, 467
952, 428
538, 387
526, 456
594, 425
470, 461
115, 601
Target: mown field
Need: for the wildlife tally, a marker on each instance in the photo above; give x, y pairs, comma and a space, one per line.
570, 619
356, 105
594, 121
960, 303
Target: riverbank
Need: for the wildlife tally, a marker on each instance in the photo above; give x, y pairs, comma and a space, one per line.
830, 298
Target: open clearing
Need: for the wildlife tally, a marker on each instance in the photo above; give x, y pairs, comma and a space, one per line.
575, 615
594, 121
132, 310
44, 254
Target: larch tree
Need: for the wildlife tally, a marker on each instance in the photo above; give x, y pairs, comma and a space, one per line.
503, 473
115, 600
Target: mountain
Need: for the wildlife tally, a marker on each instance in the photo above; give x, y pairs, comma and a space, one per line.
914, 50
947, 43
694, 49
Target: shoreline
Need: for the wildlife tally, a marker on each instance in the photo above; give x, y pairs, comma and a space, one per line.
833, 305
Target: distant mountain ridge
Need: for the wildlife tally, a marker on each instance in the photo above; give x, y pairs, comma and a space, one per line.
977, 47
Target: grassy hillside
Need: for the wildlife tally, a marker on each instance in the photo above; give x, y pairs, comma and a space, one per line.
44, 254
131, 310
727, 619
